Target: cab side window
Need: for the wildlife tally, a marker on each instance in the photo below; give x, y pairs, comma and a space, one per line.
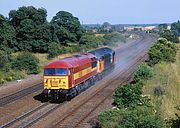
94, 64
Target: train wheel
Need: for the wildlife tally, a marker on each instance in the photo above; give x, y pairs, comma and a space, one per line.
68, 97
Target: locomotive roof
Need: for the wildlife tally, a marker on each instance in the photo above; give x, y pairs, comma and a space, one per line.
74, 61
101, 52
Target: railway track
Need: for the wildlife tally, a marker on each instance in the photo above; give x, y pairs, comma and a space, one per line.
32, 116
20, 94
76, 116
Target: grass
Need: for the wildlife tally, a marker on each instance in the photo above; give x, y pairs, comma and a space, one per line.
42, 59
11, 75
167, 79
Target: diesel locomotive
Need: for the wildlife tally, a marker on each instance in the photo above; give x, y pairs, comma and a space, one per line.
69, 76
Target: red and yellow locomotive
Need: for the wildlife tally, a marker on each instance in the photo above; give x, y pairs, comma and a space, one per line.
69, 76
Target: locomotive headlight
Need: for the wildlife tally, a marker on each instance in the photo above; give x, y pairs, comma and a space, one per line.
45, 81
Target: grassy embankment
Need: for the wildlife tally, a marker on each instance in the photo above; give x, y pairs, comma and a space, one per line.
166, 82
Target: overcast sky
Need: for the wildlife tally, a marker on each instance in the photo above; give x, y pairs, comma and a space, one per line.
99, 11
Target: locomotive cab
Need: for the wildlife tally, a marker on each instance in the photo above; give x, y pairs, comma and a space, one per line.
56, 78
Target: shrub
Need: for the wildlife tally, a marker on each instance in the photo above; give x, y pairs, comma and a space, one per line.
158, 91
139, 117
2, 81
4, 59
128, 95
55, 49
28, 62
144, 72
162, 50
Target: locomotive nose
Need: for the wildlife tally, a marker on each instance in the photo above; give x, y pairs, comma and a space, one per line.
58, 82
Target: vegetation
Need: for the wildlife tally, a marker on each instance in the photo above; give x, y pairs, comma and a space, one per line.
128, 95
171, 34
27, 62
175, 27
164, 88
139, 117
162, 51
132, 110
114, 38
27, 35
144, 72
152, 100
7, 34
55, 49
68, 27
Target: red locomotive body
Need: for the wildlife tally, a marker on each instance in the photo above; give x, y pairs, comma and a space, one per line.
64, 76
69, 76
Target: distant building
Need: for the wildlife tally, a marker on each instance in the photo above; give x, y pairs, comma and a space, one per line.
140, 28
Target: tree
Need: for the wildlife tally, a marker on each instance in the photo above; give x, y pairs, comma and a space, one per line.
106, 27
113, 38
4, 59
162, 27
37, 15
175, 27
7, 34
162, 50
90, 41
69, 26
169, 35
33, 32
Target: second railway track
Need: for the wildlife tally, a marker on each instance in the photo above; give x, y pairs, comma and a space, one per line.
20, 94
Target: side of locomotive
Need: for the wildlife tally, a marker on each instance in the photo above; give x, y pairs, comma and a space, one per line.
67, 77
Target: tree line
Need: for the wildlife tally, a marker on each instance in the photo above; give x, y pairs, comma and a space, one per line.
172, 34
27, 29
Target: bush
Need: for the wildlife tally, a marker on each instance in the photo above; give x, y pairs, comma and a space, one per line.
128, 96
4, 59
144, 72
139, 117
170, 36
28, 62
55, 49
2, 81
162, 50
158, 91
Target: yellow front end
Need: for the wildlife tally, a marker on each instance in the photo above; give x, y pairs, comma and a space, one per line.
56, 82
